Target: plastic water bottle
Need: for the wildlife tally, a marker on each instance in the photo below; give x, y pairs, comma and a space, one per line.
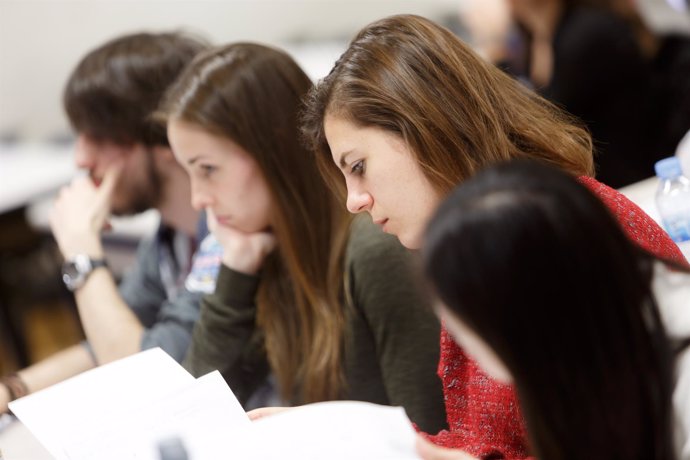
673, 202
172, 449
683, 152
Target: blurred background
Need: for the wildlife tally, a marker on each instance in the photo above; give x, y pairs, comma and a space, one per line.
41, 41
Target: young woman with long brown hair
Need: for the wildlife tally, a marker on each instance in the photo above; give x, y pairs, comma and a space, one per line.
407, 113
324, 303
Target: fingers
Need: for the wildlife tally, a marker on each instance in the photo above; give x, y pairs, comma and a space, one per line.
110, 178
262, 412
211, 222
429, 451
77, 217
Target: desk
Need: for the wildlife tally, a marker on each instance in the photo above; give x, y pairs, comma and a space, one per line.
30, 175
17, 443
29, 171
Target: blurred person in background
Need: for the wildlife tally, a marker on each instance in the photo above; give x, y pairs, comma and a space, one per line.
602, 63
109, 99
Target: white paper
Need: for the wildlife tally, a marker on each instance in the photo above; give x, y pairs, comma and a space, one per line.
337, 430
67, 414
204, 415
122, 410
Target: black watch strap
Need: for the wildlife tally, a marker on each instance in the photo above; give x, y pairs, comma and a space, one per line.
95, 263
77, 269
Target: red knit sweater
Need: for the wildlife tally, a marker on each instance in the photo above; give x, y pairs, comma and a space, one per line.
483, 414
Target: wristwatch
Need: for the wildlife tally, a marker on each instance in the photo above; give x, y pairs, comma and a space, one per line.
77, 269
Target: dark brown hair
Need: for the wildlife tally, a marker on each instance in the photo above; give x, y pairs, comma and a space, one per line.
251, 94
627, 11
113, 91
457, 113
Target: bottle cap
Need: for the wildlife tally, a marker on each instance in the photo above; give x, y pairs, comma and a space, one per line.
668, 168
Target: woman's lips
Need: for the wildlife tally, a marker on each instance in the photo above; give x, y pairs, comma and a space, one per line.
381, 223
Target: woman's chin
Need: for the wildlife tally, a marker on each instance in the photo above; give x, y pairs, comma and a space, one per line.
410, 241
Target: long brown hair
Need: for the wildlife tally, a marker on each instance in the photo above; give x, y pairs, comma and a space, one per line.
457, 113
251, 94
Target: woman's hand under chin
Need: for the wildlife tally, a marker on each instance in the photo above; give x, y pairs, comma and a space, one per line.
242, 252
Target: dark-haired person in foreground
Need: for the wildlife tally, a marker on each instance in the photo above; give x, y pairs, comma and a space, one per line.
560, 304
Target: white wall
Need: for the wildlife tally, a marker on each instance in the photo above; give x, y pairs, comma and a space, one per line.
42, 40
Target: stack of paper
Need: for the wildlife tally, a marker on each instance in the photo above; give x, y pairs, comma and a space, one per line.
123, 410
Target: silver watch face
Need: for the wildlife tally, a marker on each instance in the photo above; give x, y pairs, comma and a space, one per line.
71, 276
75, 271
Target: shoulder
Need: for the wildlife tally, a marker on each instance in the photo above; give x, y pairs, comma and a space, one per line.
380, 273
163, 235
636, 223
384, 285
150, 246
158, 248
623, 209
161, 244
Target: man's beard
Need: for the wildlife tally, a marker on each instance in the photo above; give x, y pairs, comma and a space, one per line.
146, 195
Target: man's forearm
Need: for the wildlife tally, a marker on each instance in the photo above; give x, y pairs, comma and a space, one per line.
54, 369
110, 326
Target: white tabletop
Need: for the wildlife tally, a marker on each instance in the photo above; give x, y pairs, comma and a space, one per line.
30, 171
17, 443
30, 175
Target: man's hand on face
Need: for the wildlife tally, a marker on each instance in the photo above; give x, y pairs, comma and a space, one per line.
80, 213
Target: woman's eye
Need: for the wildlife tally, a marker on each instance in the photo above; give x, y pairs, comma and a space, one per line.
358, 168
207, 170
